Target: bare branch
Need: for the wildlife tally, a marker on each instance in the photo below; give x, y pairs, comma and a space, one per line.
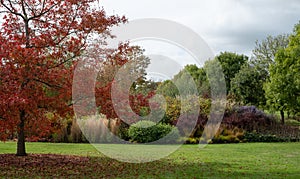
46, 83
24, 11
70, 58
43, 12
11, 9
4, 12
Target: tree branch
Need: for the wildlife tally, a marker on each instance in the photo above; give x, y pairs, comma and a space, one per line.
42, 13
46, 83
24, 11
11, 9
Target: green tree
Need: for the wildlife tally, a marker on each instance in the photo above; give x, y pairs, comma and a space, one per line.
231, 64
167, 88
283, 88
265, 51
199, 78
247, 86
188, 78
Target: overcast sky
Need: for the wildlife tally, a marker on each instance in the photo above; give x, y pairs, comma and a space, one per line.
226, 25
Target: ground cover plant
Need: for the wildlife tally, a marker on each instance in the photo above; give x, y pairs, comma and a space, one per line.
247, 160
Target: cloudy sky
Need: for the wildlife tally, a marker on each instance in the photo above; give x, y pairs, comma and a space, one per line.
226, 25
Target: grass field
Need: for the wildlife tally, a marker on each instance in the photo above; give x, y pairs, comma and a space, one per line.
249, 160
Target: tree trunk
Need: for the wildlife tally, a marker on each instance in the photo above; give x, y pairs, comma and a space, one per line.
282, 116
21, 151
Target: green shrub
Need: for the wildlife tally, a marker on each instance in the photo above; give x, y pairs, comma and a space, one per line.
221, 139
255, 137
147, 131
228, 135
123, 131
191, 140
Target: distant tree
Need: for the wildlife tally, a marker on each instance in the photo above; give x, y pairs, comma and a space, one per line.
231, 64
167, 88
199, 78
265, 51
283, 88
189, 77
247, 86
215, 78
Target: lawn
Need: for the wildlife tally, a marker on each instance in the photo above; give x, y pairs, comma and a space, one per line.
248, 160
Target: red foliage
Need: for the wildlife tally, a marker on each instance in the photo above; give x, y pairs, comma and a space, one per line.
40, 42
137, 102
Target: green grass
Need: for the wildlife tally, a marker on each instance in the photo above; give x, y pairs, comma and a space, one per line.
248, 160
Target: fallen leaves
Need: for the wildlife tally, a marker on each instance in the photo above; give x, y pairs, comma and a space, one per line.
41, 160
69, 166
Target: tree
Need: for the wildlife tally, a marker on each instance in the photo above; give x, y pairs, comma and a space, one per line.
247, 86
265, 52
184, 82
231, 64
283, 88
40, 44
134, 62
199, 77
167, 88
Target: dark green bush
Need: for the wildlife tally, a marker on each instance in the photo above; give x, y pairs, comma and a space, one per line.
147, 131
255, 137
221, 139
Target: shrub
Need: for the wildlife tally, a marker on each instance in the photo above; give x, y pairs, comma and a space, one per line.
147, 131
292, 122
76, 135
99, 129
255, 137
228, 135
191, 140
248, 118
123, 131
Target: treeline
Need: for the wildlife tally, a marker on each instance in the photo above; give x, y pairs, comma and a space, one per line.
268, 80
257, 87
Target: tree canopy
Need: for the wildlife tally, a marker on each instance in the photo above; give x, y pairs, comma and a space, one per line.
40, 42
283, 88
231, 64
247, 86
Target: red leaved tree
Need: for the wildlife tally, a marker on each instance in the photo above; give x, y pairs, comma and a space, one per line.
40, 42
122, 89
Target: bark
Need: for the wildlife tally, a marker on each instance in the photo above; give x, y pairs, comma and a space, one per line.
21, 150
282, 116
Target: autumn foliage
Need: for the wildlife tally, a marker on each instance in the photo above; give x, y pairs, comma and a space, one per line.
40, 43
